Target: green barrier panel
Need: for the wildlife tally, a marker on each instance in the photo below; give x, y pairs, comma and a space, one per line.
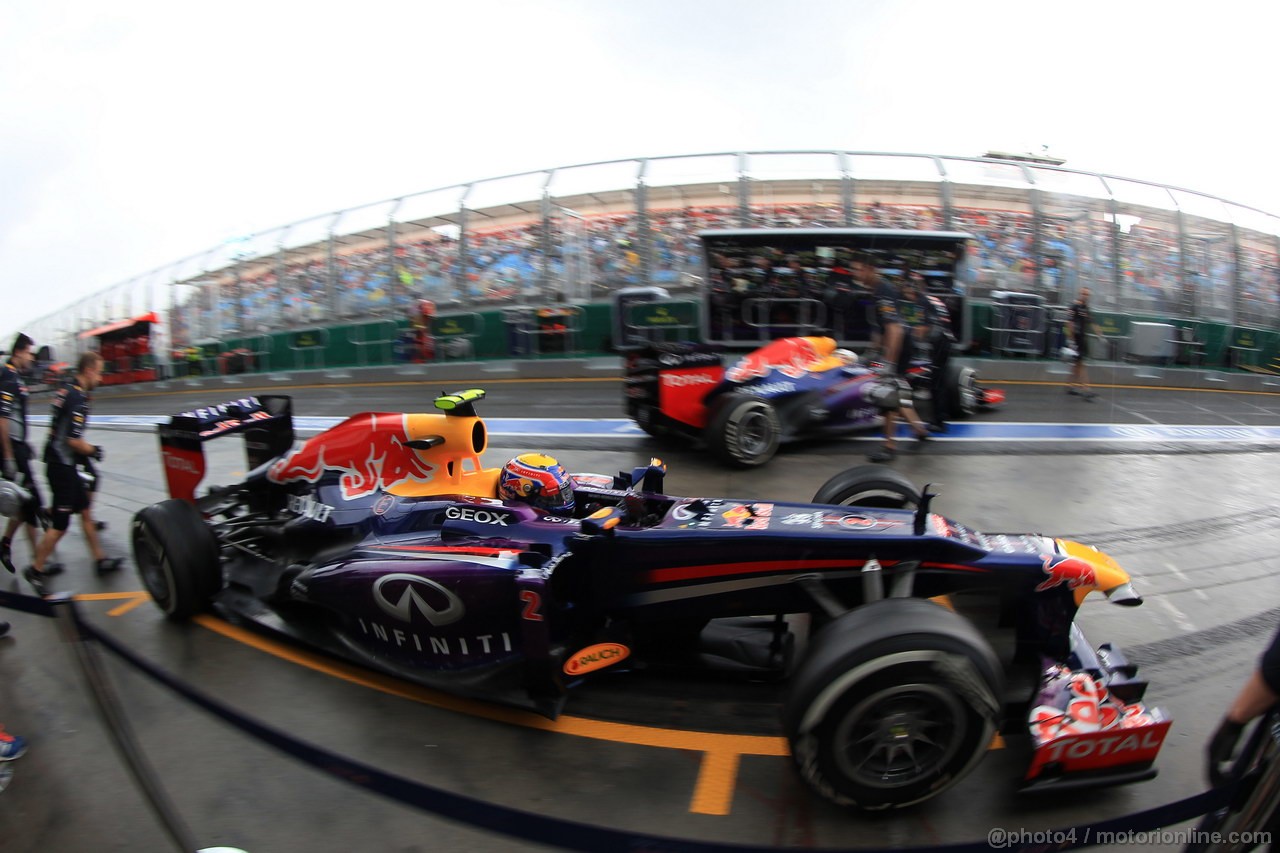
662, 315
306, 340
458, 326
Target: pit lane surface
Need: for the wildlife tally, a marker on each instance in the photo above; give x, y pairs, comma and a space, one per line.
1199, 532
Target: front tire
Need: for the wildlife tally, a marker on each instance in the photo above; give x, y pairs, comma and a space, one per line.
177, 557
897, 701
744, 431
873, 486
963, 391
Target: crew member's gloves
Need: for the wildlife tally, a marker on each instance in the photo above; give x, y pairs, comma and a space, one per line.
97, 452
11, 469
1222, 749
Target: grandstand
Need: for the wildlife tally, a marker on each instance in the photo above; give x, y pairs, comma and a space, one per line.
577, 234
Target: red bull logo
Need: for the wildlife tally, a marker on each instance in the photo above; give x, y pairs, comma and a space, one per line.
1072, 571
792, 357
370, 450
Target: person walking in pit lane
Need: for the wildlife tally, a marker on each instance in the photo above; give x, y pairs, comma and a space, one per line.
935, 335
15, 450
1079, 325
897, 351
64, 449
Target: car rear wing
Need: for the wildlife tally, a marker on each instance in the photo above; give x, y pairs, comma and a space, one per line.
670, 382
266, 423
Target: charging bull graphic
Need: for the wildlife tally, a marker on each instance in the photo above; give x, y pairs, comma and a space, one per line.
792, 357
371, 450
1072, 571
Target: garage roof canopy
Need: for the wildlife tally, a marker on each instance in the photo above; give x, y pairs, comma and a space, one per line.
121, 324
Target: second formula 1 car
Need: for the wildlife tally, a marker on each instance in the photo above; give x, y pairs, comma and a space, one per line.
790, 389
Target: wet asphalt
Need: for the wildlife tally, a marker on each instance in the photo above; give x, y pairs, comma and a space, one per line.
1196, 524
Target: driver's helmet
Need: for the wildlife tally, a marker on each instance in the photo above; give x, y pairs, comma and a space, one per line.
847, 357
538, 480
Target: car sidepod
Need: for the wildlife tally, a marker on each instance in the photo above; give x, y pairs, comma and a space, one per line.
438, 608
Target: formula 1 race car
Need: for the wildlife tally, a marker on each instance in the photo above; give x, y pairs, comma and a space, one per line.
790, 389
384, 540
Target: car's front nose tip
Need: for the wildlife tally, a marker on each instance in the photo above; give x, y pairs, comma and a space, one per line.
1124, 594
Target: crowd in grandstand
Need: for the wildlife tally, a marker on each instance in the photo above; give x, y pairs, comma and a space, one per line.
586, 258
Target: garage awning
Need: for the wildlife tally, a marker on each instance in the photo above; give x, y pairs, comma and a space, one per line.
118, 325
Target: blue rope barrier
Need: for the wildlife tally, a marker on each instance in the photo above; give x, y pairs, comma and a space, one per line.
31, 603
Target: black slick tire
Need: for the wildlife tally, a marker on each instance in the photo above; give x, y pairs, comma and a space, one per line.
897, 701
744, 431
873, 486
177, 557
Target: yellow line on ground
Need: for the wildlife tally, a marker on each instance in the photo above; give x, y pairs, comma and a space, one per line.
127, 606
713, 791
109, 596
716, 780
721, 753
578, 726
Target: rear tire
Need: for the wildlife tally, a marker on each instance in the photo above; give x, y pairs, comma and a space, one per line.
744, 431
897, 702
177, 557
873, 486
646, 417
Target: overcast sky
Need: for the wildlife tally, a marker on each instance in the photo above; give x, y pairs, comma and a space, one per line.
138, 133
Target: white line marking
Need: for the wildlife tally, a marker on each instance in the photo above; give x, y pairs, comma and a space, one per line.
1178, 616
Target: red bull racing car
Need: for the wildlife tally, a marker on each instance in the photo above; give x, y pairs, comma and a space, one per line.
787, 390
899, 641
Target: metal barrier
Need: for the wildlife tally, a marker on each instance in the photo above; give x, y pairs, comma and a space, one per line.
544, 329
456, 334
784, 317
1018, 327
313, 342
388, 340
197, 360
261, 353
